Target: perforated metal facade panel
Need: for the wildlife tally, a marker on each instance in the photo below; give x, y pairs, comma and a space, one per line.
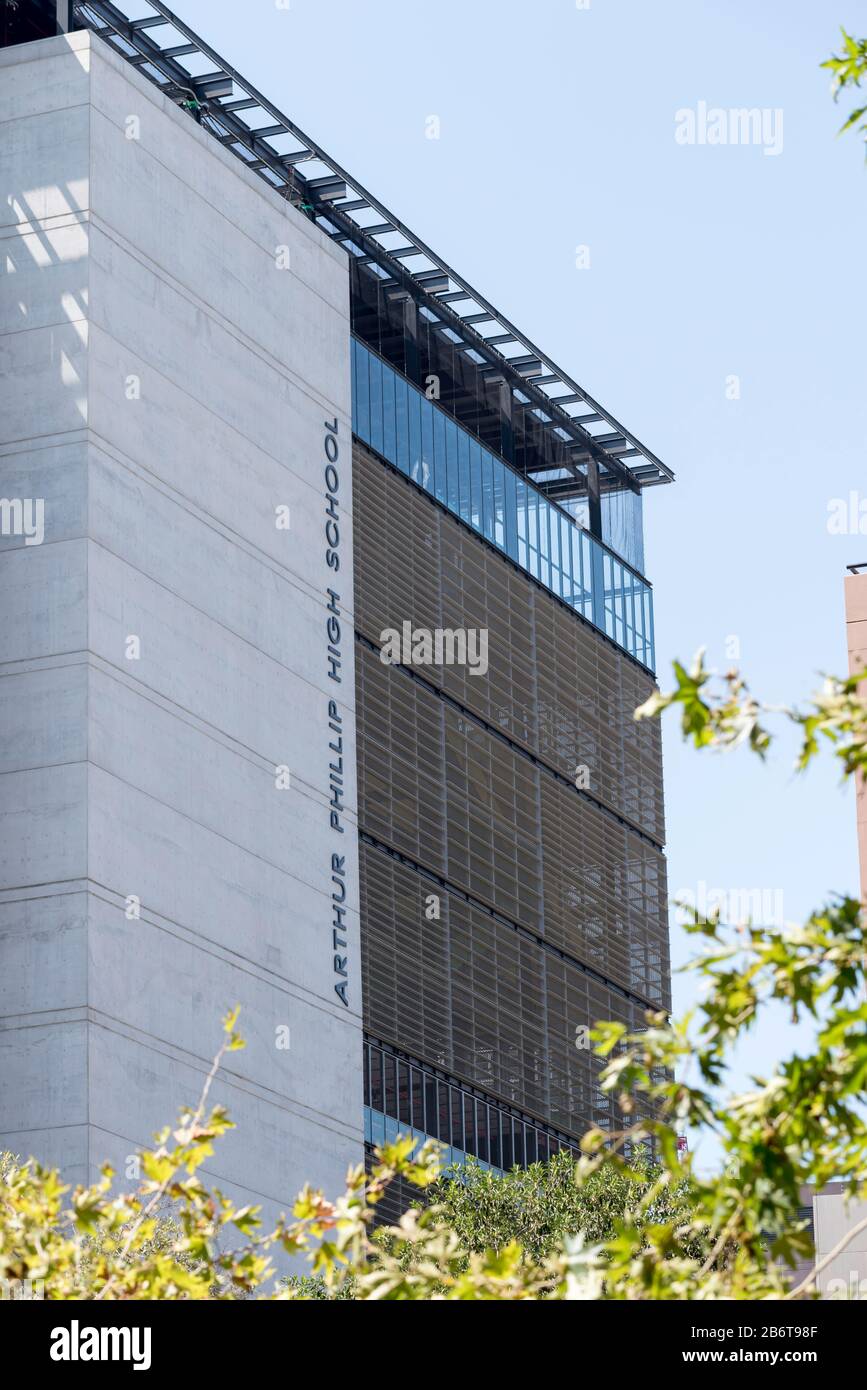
477, 998
552, 901
554, 684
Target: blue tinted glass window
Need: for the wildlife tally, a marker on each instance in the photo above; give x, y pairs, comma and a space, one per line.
361, 424
510, 489
499, 503
533, 503
638, 612
614, 619
632, 599
648, 626
440, 481
401, 393
464, 475
414, 404
389, 419
613, 594
423, 441
544, 542
577, 578
427, 446
607, 585
353, 371
566, 528
377, 1127
630, 610
476, 484
521, 509
556, 569
597, 587
488, 494
453, 495
375, 403
645, 603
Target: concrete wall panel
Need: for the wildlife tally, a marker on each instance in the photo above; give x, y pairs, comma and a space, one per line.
166, 388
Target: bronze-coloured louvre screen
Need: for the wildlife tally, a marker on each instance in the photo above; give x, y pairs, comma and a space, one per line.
471, 779
554, 684
435, 786
478, 999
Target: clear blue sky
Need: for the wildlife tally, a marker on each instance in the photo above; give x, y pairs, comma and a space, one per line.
557, 129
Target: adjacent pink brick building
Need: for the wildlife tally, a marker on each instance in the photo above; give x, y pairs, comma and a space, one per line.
856, 632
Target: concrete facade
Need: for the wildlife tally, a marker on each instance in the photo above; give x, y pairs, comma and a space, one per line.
856, 636
845, 1277
175, 342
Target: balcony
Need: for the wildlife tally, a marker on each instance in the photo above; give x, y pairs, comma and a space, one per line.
397, 421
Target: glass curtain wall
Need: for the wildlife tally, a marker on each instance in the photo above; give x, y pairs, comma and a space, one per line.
397, 420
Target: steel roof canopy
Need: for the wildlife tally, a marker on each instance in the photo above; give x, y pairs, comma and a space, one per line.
334, 198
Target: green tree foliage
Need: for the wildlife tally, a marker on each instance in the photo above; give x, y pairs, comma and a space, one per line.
540, 1206
849, 69
617, 1226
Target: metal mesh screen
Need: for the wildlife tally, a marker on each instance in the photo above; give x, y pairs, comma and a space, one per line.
551, 903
